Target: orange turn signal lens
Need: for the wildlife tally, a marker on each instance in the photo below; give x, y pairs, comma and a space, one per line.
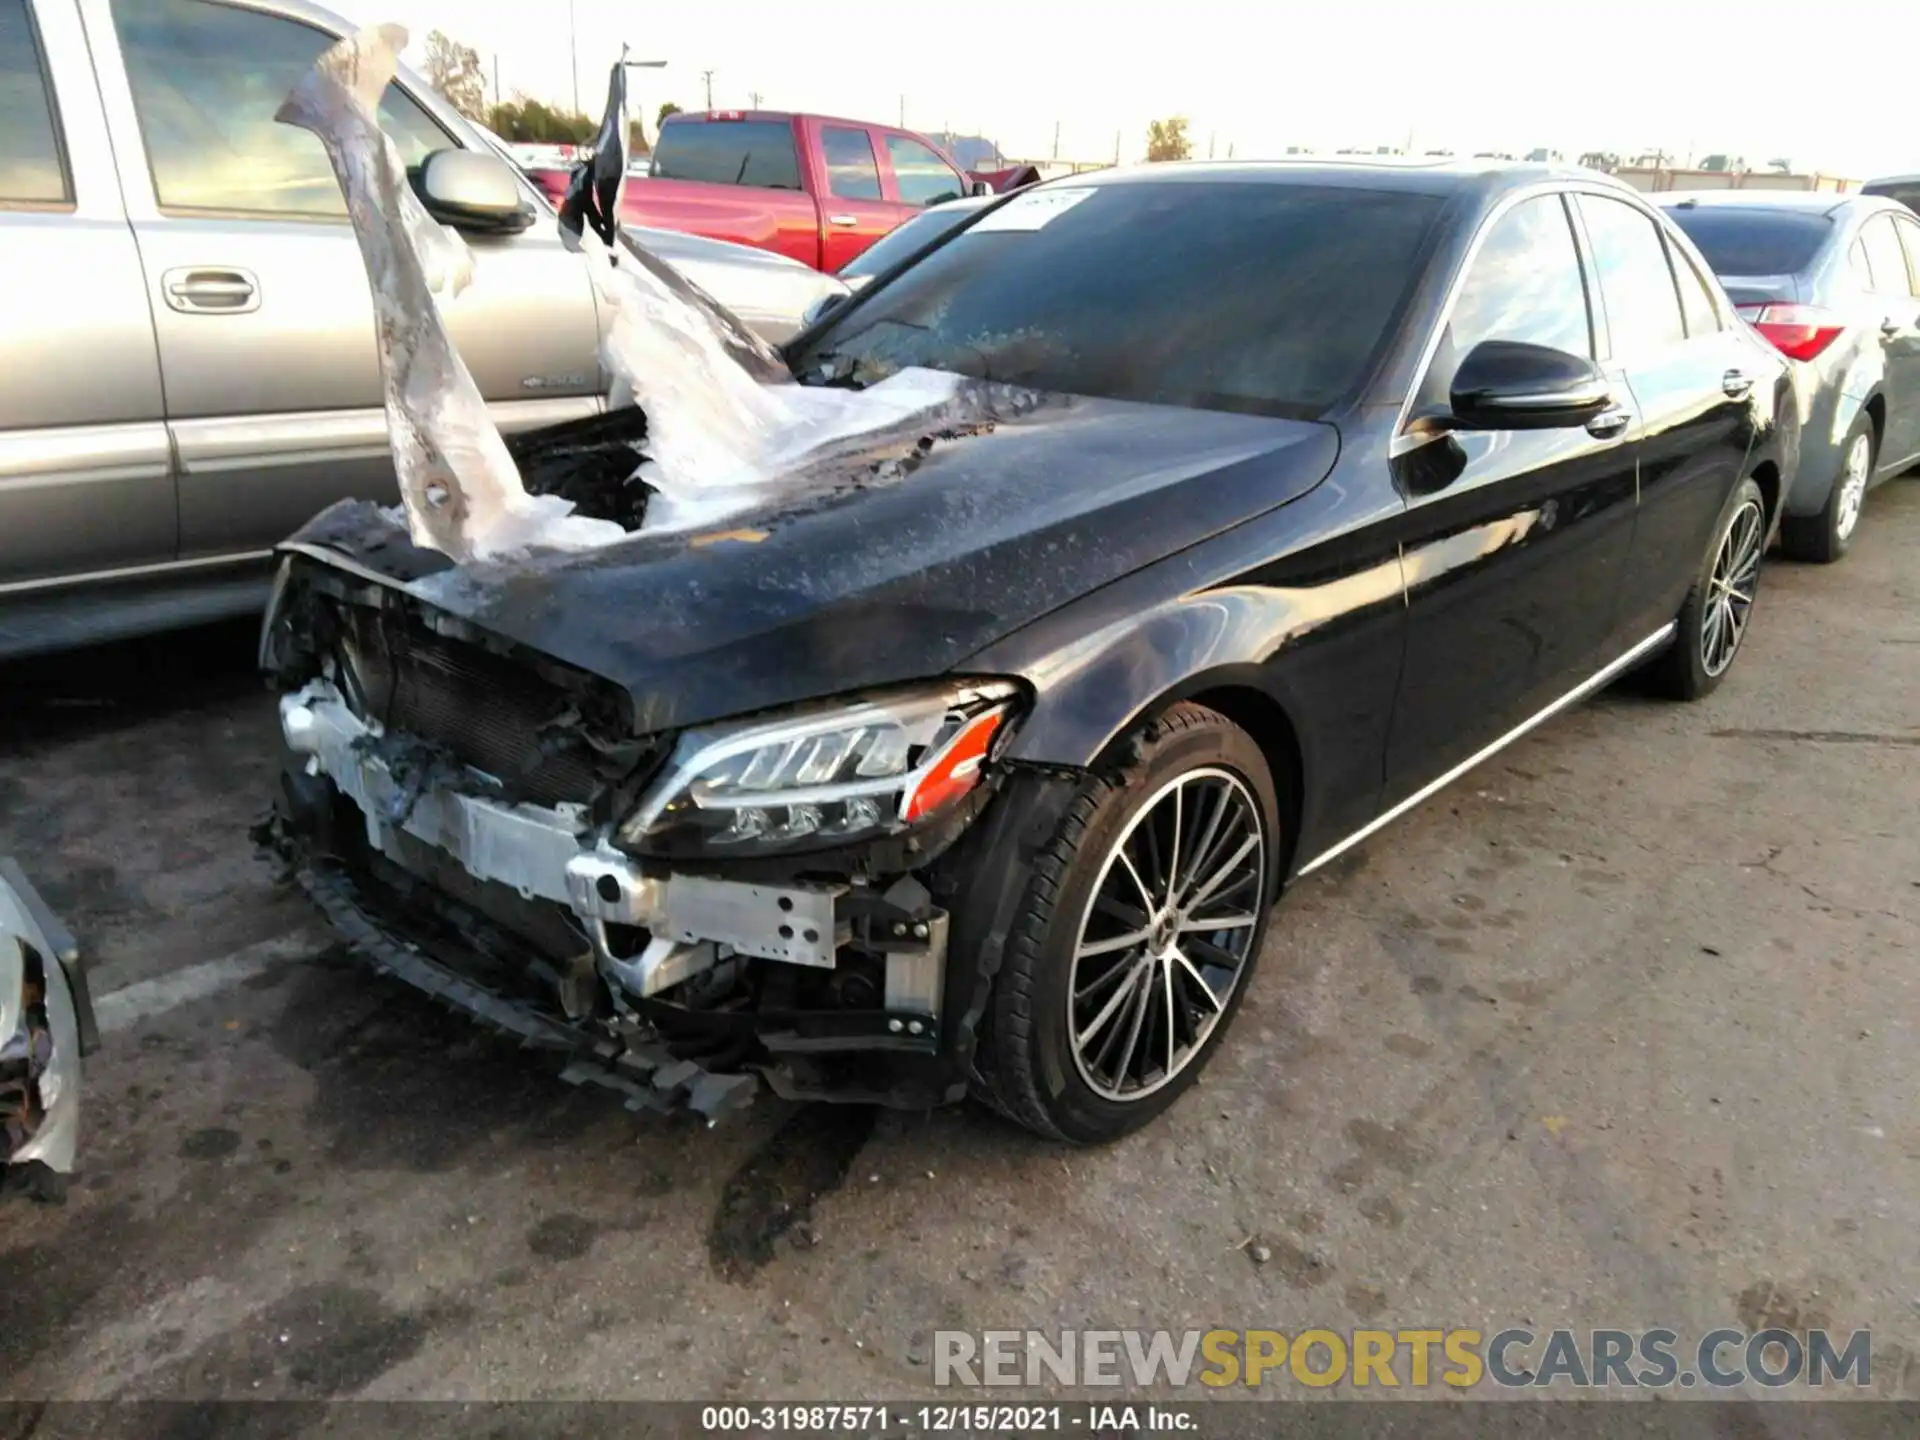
956, 770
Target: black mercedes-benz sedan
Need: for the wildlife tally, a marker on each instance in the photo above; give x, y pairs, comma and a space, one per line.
1284, 495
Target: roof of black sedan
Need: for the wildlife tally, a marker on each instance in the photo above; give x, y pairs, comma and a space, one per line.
1417, 176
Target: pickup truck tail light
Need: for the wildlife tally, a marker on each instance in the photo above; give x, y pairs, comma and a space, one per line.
1799, 332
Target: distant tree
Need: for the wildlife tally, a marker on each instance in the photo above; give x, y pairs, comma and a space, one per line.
1167, 140
454, 70
1784, 166
665, 110
526, 121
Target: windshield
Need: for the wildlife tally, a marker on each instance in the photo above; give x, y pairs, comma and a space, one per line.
1738, 241
893, 247
1219, 295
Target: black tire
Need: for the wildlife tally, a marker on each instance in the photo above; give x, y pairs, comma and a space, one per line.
1823, 538
1690, 668
1026, 1056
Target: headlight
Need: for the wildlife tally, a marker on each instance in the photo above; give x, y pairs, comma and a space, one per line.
816, 779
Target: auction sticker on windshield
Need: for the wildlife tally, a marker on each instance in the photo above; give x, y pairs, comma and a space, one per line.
1033, 211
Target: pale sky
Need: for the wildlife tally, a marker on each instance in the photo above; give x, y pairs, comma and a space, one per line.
1830, 86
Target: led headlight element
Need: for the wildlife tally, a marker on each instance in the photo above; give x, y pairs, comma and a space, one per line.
821, 776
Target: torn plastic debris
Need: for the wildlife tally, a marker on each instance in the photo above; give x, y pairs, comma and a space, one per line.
719, 434
459, 487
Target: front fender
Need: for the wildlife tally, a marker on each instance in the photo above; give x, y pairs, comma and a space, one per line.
1319, 633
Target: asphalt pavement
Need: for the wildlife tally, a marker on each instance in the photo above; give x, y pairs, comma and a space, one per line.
1623, 1030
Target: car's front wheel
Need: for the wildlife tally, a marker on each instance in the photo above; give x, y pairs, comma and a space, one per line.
1138, 934
1713, 621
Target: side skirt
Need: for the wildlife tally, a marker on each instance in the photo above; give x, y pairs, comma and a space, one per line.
1597, 681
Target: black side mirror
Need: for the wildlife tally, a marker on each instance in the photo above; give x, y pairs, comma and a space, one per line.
1509, 385
979, 188
473, 192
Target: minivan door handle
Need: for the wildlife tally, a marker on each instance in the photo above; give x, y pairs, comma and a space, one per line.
1609, 423
211, 290
1736, 384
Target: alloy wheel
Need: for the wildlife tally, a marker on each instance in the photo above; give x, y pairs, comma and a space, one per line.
1167, 934
1853, 487
1730, 588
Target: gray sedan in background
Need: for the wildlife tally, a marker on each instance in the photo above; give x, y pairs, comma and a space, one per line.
1834, 282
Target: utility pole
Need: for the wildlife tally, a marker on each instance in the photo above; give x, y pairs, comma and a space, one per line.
1116, 147
754, 96
496, 79
707, 76
1056, 140
573, 54
1209, 144
903, 112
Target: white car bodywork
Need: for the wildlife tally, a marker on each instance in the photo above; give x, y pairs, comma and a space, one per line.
32, 944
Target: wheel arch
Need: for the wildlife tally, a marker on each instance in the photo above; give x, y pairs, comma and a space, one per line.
1236, 693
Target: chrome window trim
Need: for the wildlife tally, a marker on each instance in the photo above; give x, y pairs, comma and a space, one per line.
1569, 186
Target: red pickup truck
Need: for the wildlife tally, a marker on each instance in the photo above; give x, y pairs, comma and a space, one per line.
810, 186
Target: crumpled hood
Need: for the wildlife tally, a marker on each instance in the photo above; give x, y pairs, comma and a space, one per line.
875, 574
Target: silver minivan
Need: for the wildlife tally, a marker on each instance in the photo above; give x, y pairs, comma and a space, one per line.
187, 358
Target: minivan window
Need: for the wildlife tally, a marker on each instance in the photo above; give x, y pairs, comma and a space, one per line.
1636, 285
1250, 296
30, 164
207, 80
1907, 192
1736, 240
758, 153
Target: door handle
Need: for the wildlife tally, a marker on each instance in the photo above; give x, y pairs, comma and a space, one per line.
1609, 423
211, 290
1736, 384
847, 221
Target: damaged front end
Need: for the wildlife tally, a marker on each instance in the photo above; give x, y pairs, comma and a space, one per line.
46, 1022
585, 855
678, 915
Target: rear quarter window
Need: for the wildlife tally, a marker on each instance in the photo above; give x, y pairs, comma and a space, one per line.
758, 153
1753, 242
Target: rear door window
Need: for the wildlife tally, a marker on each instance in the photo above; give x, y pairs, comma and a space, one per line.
1736, 240
758, 153
1636, 285
1886, 261
852, 171
31, 167
1909, 233
921, 176
1696, 304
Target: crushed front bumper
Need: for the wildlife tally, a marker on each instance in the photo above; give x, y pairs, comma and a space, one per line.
644, 931
46, 1022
